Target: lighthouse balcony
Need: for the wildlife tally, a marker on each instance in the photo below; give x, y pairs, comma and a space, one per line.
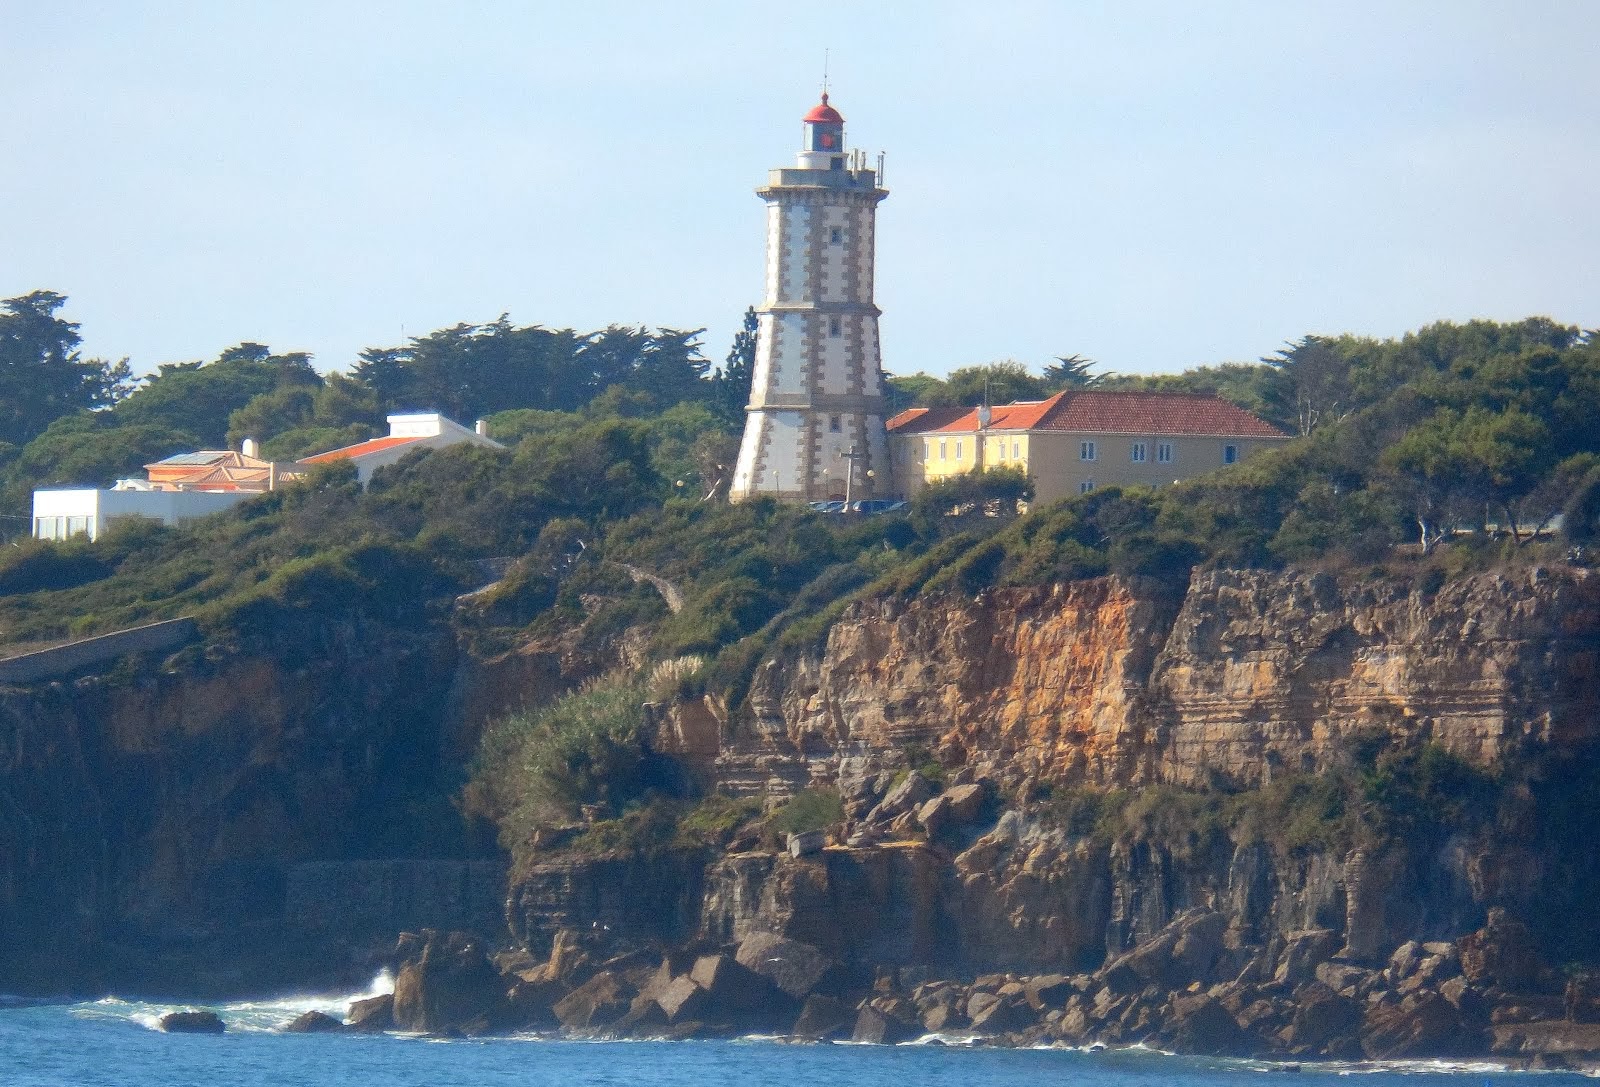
787, 178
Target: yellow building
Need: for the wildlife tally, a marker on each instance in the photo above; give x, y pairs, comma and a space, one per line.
1077, 441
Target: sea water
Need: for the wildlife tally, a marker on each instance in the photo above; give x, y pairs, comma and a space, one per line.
117, 1042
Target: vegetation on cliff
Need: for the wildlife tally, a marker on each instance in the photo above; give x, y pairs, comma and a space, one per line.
1431, 454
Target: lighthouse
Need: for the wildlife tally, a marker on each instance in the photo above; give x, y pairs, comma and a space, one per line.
814, 425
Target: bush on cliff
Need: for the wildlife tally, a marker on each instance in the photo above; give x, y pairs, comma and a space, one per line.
543, 767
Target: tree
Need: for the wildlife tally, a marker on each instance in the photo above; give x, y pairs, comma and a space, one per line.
200, 398
733, 379
42, 375
1072, 372
1454, 463
992, 383
1320, 374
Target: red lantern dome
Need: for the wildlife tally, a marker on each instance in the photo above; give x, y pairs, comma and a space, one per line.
824, 114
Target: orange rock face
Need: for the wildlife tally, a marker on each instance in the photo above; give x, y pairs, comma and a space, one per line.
1248, 675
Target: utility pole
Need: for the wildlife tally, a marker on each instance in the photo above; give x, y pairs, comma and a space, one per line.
850, 459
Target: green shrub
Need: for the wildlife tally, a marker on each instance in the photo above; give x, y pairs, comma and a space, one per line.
809, 809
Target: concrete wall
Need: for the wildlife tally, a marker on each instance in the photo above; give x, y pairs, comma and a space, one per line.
63, 660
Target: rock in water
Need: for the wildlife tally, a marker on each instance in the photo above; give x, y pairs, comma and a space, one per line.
822, 1017
206, 1022
312, 1023
875, 1028
373, 1014
601, 1000
449, 984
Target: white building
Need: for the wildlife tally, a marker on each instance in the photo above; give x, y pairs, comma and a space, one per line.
89, 511
422, 430
815, 422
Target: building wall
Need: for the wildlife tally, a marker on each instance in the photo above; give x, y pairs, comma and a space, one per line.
62, 514
817, 385
1054, 459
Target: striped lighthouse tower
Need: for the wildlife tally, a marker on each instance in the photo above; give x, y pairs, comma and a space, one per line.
814, 425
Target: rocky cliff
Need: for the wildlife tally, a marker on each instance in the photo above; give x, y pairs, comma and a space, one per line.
1242, 678
165, 806
1246, 681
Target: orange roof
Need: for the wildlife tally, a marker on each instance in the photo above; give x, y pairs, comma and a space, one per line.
360, 449
1093, 412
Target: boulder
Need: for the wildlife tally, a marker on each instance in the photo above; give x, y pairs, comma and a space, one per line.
912, 792
1047, 991
1403, 963
372, 1014
569, 957
1322, 1016
934, 815
806, 843
1302, 952
201, 1022
966, 803
1202, 1026
822, 1017
874, 1027
644, 1018
993, 1014
857, 775
795, 968
1340, 976
600, 1001
1501, 953
1423, 1026
732, 989
682, 999
450, 982
530, 1001
312, 1023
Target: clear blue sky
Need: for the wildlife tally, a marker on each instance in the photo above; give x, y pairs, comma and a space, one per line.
1153, 185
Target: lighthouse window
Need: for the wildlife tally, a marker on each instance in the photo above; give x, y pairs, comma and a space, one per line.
833, 424
834, 326
837, 163
836, 236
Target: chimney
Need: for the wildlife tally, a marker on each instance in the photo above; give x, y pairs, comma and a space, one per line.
248, 447
482, 428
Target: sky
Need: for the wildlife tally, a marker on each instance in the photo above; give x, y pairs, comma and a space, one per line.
1151, 185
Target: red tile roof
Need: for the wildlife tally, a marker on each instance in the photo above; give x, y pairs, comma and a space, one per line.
360, 449
1092, 412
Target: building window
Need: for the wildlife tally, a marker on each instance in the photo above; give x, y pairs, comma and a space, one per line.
835, 326
834, 424
1164, 452
958, 449
1086, 486
1086, 451
1016, 450
1230, 454
836, 236
927, 449
941, 449
1139, 452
